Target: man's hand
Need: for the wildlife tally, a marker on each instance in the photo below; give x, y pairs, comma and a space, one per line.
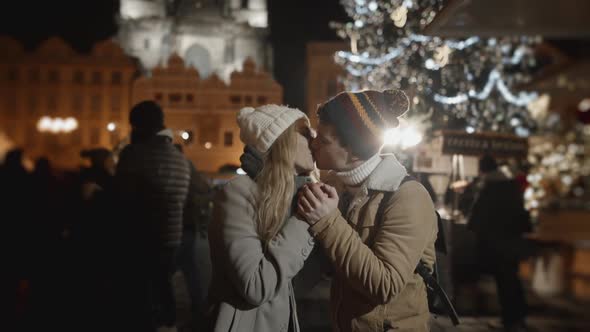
315, 201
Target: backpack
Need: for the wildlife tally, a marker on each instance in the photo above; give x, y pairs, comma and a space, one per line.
438, 301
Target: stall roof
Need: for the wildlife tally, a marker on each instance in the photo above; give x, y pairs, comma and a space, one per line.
562, 19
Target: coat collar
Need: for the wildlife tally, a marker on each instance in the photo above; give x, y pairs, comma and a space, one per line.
166, 133
387, 176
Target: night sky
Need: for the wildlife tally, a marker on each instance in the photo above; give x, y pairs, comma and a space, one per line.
83, 22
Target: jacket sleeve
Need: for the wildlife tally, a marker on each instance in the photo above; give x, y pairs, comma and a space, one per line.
255, 273
381, 271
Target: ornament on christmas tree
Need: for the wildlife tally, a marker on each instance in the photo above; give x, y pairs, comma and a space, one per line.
469, 83
399, 16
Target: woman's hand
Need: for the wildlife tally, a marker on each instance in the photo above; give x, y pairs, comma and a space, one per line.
315, 201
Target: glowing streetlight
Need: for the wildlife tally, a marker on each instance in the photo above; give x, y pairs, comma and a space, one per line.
208, 145
44, 124
57, 125
111, 126
405, 136
185, 135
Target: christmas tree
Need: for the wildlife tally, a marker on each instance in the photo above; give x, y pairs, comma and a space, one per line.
468, 84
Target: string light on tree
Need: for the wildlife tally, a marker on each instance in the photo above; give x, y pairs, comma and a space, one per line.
468, 82
399, 16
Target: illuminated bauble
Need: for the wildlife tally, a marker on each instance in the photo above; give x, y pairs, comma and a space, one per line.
399, 16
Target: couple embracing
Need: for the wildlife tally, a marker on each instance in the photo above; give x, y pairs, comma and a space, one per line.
370, 220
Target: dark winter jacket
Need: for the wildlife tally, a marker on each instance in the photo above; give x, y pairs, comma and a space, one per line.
152, 182
498, 208
197, 201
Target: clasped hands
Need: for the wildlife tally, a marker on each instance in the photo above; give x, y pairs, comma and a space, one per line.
315, 201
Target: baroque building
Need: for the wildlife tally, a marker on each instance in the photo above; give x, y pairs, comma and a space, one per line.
97, 90
202, 112
322, 75
56, 82
212, 36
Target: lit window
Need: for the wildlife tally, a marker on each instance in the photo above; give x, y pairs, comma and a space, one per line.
116, 103
12, 75
261, 100
235, 100
52, 104
117, 77
76, 137
53, 76
96, 77
33, 104
10, 104
77, 103
34, 74
228, 139
96, 104
78, 77
174, 97
209, 129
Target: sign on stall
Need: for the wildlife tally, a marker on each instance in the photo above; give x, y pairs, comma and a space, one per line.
497, 145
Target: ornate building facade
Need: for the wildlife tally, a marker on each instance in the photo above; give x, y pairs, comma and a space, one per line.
212, 36
58, 83
322, 75
202, 112
96, 90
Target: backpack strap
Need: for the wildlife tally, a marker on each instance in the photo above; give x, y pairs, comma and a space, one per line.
380, 211
383, 204
421, 269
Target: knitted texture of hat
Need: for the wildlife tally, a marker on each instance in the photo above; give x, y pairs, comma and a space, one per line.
360, 118
147, 115
261, 126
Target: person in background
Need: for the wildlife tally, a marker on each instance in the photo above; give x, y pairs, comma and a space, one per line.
15, 240
194, 218
499, 220
257, 243
151, 183
100, 174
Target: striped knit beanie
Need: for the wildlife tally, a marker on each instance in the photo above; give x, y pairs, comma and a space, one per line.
360, 118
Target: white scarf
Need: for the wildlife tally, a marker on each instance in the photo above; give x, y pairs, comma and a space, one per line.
358, 175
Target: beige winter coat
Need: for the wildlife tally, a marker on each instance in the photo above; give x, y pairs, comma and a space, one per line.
251, 288
375, 287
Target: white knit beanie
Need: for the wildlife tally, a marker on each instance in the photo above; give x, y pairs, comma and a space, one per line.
261, 126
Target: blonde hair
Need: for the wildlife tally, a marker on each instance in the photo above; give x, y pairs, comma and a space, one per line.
276, 184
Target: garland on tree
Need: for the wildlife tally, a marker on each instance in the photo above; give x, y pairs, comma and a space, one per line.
464, 84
